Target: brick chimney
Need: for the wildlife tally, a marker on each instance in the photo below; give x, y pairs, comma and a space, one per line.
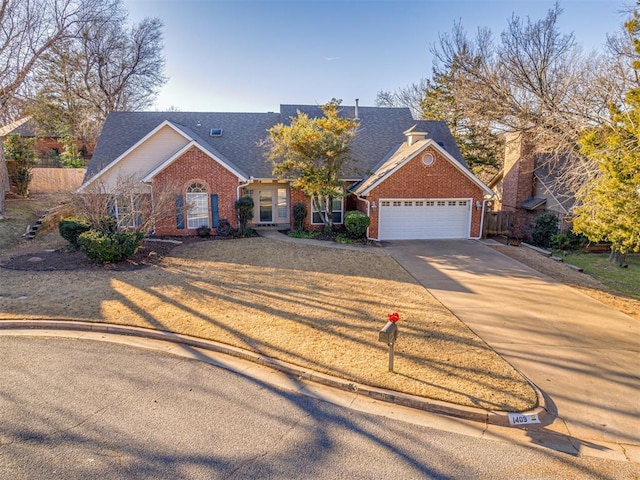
517, 183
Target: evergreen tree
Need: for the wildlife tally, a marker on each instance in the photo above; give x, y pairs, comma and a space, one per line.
610, 202
20, 150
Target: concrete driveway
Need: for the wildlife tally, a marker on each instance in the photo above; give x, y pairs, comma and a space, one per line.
583, 355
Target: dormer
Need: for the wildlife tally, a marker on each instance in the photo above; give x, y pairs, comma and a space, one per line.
413, 135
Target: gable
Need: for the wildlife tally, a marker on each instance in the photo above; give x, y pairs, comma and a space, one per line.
405, 154
144, 156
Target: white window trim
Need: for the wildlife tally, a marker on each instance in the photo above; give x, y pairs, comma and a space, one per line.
133, 220
313, 210
191, 211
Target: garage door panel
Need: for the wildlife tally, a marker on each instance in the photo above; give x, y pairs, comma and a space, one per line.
410, 219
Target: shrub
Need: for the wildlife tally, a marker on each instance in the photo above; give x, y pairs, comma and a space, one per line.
299, 215
71, 228
203, 231
110, 247
567, 241
343, 238
546, 226
356, 223
244, 210
302, 234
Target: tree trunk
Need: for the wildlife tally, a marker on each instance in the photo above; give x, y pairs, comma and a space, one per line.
617, 257
4, 180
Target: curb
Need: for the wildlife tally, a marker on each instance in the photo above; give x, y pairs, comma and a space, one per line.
498, 418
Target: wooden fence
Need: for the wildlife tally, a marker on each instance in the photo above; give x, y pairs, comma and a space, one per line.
56, 180
497, 223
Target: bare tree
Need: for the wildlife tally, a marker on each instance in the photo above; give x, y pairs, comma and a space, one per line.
110, 66
410, 96
130, 205
31, 27
536, 80
28, 29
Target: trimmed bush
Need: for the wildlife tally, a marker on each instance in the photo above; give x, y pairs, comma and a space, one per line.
356, 223
545, 228
111, 247
299, 215
71, 228
244, 210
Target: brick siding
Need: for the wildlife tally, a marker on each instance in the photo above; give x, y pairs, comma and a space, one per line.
415, 180
195, 166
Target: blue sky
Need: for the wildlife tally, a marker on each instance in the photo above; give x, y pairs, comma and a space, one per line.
251, 56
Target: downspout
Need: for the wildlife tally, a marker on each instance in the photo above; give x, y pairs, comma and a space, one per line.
368, 211
484, 206
153, 210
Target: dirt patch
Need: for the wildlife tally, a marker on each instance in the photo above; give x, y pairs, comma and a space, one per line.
581, 281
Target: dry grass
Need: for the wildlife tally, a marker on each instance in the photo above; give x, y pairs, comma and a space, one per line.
578, 280
316, 307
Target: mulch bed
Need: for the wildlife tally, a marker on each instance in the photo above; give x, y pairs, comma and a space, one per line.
149, 253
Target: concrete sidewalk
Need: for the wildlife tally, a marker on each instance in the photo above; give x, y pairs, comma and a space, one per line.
583, 354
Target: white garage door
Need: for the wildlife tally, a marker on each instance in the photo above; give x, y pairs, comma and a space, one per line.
417, 218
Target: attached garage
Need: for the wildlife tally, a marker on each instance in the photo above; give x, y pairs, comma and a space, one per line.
424, 218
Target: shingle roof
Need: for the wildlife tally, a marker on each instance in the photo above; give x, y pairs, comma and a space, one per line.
533, 203
381, 130
25, 127
549, 169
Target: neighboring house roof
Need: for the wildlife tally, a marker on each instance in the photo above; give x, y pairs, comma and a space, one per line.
533, 203
548, 171
25, 127
381, 131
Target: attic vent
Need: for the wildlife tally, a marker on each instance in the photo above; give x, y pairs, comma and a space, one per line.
216, 132
427, 159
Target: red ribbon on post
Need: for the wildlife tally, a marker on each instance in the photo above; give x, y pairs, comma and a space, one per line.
393, 317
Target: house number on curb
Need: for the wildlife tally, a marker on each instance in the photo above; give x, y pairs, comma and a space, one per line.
523, 419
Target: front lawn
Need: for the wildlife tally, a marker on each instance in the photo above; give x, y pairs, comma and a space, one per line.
623, 280
317, 307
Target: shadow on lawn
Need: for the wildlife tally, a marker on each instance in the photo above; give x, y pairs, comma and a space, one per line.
318, 308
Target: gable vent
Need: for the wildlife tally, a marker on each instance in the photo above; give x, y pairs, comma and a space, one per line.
216, 132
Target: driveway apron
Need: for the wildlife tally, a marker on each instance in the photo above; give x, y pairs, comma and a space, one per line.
581, 353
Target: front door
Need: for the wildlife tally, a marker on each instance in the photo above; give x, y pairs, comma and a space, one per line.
265, 203
273, 206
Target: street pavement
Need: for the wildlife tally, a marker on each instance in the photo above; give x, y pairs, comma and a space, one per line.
80, 409
584, 355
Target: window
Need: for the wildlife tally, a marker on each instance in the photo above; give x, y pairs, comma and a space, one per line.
441, 203
197, 206
126, 211
336, 213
